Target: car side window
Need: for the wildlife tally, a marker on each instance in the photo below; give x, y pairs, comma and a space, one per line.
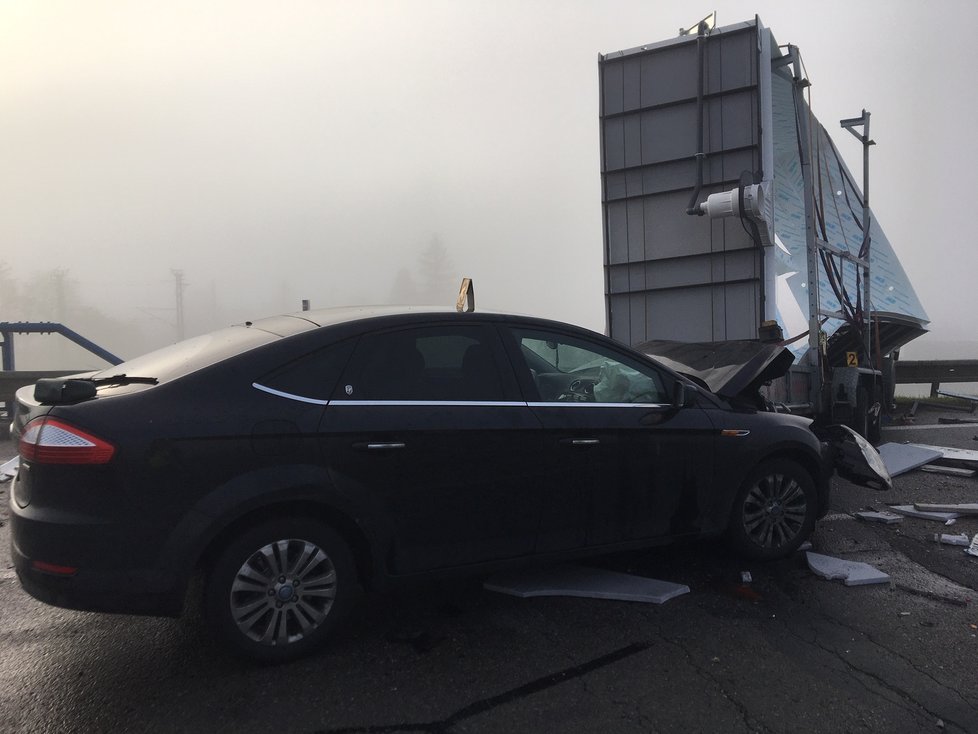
569, 369
313, 376
451, 363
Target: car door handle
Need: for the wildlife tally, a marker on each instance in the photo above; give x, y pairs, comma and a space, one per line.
580, 441
386, 446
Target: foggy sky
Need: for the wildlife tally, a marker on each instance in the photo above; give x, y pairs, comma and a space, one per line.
275, 152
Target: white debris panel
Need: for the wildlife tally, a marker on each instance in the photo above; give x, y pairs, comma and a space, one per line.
911, 511
852, 573
899, 458
592, 583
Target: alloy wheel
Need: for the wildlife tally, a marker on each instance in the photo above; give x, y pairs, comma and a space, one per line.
283, 592
774, 510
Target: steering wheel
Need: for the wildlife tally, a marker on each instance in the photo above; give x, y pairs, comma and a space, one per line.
580, 390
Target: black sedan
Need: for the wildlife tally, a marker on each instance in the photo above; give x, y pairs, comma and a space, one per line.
296, 460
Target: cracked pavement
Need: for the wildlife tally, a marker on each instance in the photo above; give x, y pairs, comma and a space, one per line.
787, 652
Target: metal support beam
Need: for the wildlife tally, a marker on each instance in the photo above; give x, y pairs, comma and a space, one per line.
850, 124
7, 350
804, 152
9, 328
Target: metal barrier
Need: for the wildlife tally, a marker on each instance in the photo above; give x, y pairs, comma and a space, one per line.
936, 371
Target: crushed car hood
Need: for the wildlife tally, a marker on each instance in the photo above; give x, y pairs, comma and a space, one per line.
729, 369
736, 369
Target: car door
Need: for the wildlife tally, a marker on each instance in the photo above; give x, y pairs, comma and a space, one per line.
428, 421
632, 466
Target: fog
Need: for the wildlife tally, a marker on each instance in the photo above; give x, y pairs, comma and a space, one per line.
366, 152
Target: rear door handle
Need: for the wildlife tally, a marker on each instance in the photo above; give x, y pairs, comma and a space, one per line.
580, 441
385, 446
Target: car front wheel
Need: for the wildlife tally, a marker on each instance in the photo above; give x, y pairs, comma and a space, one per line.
277, 590
774, 510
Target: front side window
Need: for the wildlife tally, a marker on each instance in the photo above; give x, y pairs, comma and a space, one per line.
568, 369
427, 364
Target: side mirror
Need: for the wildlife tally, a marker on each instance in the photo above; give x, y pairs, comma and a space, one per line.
679, 394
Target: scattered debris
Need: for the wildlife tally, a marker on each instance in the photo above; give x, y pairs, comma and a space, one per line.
592, 583
887, 518
972, 549
962, 539
962, 509
949, 453
950, 521
806, 546
899, 458
8, 470
952, 471
852, 573
911, 511
745, 577
972, 399
904, 614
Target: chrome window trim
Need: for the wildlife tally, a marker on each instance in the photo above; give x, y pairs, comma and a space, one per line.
582, 404
411, 403
452, 403
288, 395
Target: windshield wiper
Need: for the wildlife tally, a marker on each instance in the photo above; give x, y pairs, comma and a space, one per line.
124, 380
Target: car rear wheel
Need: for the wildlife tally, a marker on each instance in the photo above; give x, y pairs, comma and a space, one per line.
774, 510
277, 590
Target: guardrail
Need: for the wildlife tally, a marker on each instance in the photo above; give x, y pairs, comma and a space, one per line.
936, 371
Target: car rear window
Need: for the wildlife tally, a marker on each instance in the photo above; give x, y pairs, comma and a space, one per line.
192, 354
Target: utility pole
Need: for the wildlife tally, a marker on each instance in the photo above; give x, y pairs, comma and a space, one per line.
180, 285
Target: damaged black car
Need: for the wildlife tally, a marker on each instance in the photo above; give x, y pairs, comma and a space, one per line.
294, 461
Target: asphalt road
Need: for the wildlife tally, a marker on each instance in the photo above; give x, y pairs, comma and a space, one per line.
787, 652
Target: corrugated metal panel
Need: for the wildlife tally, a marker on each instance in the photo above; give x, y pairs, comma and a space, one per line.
670, 275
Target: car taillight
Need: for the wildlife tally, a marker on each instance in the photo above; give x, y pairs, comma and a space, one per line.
51, 441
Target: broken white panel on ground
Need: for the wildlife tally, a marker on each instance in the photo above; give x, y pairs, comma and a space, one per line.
972, 550
948, 452
8, 470
899, 458
963, 540
951, 471
592, 583
959, 510
888, 518
911, 511
852, 573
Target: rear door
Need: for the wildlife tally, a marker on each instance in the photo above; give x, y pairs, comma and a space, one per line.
429, 422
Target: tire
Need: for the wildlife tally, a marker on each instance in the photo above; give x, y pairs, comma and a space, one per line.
278, 589
774, 511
